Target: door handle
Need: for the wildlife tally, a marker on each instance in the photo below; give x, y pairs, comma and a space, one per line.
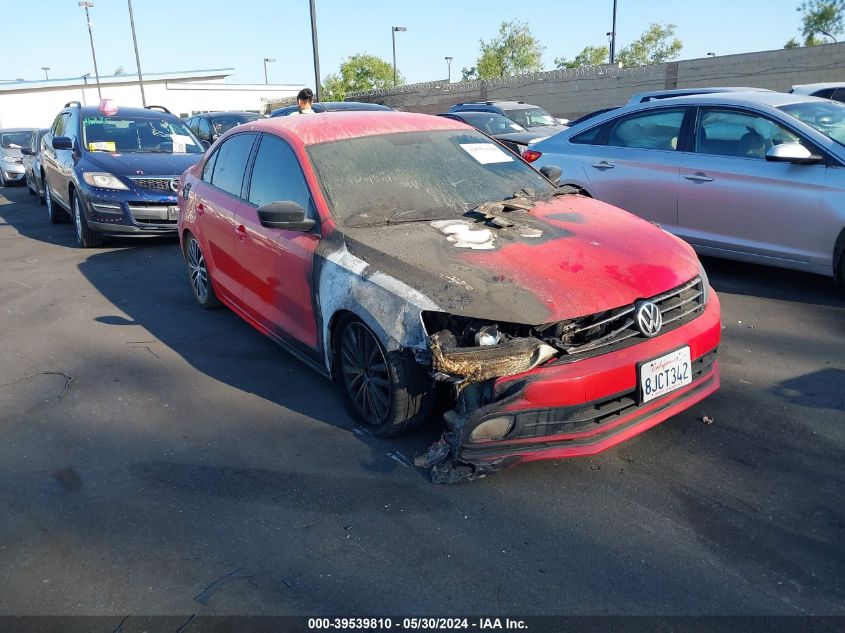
603, 164
241, 231
200, 208
699, 177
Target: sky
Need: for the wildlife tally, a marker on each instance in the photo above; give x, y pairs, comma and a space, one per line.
179, 35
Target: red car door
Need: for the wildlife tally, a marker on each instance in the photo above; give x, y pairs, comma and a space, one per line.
276, 264
217, 199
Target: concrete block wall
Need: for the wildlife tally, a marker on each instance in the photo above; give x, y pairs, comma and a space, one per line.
572, 92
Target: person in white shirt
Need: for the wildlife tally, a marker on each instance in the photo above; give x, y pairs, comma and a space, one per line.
303, 101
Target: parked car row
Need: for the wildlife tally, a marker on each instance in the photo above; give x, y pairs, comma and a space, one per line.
395, 252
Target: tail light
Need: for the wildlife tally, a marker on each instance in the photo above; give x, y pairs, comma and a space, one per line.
531, 155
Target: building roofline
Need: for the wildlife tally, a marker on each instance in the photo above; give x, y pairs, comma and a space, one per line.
69, 82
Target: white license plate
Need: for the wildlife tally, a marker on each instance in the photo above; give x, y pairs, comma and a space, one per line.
173, 213
665, 374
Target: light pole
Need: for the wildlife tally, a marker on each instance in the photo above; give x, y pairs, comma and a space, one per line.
267, 59
87, 5
316, 49
45, 69
613, 36
393, 34
137, 57
449, 67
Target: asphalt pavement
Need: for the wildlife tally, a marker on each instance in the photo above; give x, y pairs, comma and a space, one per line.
156, 458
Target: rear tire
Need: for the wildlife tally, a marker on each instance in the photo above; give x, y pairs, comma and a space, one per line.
198, 275
55, 214
85, 237
387, 391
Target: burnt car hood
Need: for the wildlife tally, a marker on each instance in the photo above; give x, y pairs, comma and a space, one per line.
568, 257
146, 164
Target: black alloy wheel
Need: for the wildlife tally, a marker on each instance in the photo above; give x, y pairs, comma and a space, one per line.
365, 374
198, 274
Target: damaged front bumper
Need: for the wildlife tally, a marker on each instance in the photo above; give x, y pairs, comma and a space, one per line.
565, 408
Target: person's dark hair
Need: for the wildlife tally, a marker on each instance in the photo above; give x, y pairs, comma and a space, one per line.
305, 95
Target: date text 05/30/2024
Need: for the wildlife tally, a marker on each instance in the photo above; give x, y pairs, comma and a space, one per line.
417, 624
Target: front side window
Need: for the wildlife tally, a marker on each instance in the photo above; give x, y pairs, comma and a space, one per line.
827, 117
204, 129
417, 176
230, 163
59, 124
738, 134
650, 130
142, 134
277, 175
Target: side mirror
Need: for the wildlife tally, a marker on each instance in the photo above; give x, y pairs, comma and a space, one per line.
552, 173
794, 153
27, 152
284, 214
62, 142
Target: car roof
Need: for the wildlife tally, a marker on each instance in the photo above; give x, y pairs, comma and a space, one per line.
512, 105
693, 91
225, 113
756, 98
804, 88
121, 111
334, 106
317, 128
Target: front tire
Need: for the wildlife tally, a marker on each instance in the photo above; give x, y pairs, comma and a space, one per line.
85, 237
387, 391
198, 275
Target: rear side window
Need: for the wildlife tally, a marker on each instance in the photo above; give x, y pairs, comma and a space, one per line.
589, 137
827, 93
277, 175
230, 163
651, 130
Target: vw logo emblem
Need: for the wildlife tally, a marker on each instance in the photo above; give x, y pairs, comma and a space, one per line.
174, 184
649, 319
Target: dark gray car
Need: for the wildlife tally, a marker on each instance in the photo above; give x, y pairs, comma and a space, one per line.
33, 172
754, 176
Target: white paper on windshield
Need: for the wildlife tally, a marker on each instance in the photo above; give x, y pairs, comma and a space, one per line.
180, 142
486, 153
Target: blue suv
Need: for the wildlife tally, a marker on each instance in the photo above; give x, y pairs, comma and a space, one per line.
115, 171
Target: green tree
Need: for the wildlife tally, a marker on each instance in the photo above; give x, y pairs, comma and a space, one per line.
359, 73
656, 45
589, 56
119, 71
514, 51
825, 17
469, 74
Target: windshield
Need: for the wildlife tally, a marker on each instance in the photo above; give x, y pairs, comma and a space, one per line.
15, 140
531, 117
491, 123
417, 176
225, 123
138, 135
828, 117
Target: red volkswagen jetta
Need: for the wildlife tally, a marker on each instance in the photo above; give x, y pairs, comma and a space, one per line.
392, 251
